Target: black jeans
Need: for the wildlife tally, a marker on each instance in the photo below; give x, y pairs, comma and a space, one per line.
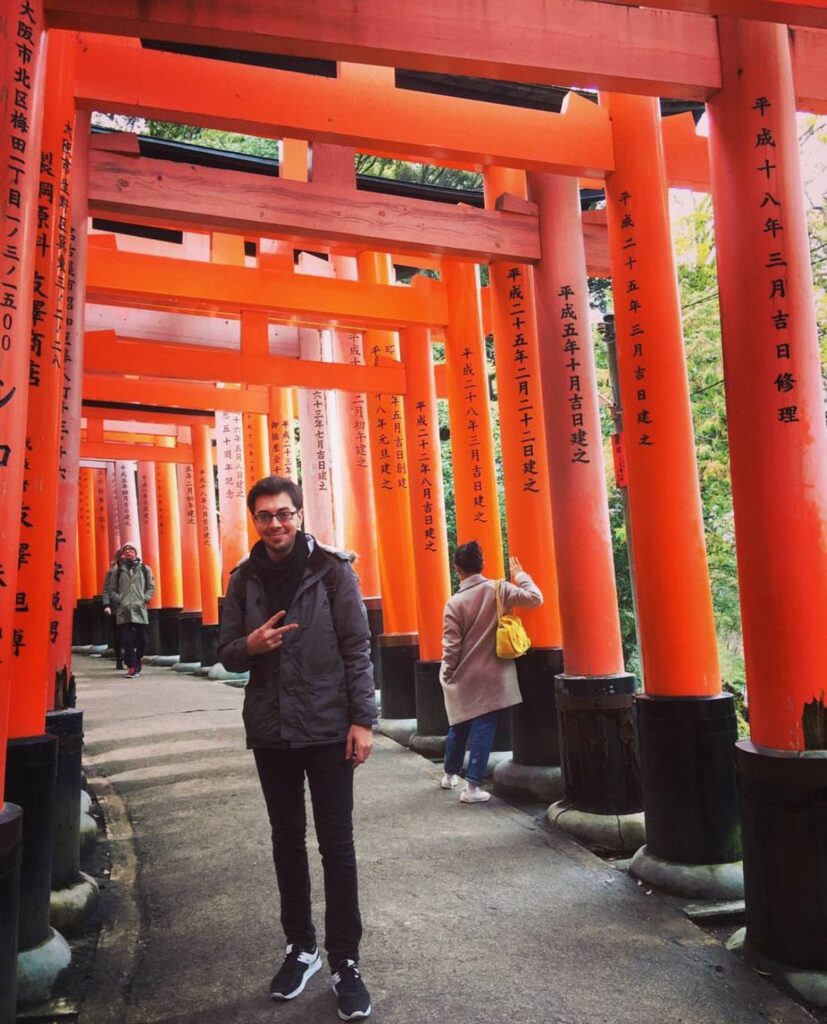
330, 776
133, 642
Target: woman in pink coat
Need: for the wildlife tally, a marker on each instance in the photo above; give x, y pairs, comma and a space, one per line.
477, 685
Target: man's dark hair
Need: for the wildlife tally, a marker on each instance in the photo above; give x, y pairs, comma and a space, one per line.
468, 557
275, 485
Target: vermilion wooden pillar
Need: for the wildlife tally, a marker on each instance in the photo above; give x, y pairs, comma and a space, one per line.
397, 648
687, 727
472, 441
282, 440
430, 542
103, 555
229, 438
169, 548
256, 457
150, 550
86, 532
208, 553
31, 755
63, 595
189, 622
317, 444
126, 495
528, 511
356, 491
778, 457
113, 509
594, 695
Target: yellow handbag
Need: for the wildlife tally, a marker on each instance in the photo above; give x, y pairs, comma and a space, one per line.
512, 639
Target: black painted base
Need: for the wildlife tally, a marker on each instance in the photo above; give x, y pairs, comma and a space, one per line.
100, 623
687, 755
31, 770
209, 645
784, 823
67, 726
534, 730
153, 633
83, 623
598, 743
373, 606
11, 849
168, 630
431, 719
397, 654
189, 637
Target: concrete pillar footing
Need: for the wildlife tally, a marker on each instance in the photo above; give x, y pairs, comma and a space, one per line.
71, 907
162, 660
526, 781
187, 667
808, 984
428, 746
697, 881
88, 835
400, 730
218, 672
85, 802
82, 649
38, 969
621, 833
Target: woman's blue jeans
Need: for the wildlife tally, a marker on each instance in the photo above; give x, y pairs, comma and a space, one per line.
481, 731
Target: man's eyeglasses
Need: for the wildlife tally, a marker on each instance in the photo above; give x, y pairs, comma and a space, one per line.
284, 515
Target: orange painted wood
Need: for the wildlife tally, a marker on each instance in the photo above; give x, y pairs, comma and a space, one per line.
130, 279
426, 494
808, 46
579, 42
582, 538
676, 627
361, 108
256, 458
232, 491
103, 549
148, 525
775, 403
522, 427
472, 441
126, 495
209, 557
789, 12
17, 222
169, 530
87, 557
188, 519
686, 152
105, 450
33, 624
102, 387
112, 510
172, 418
189, 196
390, 470
185, 362
282, 433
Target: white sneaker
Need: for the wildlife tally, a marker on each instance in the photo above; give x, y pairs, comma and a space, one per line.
474, 796
449, 781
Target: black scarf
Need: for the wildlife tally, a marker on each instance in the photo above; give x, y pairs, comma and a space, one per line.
281, 579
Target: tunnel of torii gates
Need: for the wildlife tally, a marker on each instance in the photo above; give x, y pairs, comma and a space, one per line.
151, 370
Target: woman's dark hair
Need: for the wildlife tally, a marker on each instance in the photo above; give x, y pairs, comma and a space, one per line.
468, 557
275, 485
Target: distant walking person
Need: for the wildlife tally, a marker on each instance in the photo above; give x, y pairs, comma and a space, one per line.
110, 606
294, 618
130, 590
477, 684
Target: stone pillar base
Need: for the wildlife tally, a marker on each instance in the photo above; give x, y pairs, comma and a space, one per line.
400, 730
72, 906
39, 968
396, 654
528, 782
11, 847
621, 833
187, 667
696, 881
810, 985
88, 835
432, 747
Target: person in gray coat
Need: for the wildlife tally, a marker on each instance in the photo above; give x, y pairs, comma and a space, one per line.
129, 589
294, 618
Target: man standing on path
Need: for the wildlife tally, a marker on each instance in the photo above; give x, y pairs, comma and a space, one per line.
294, 618
130, 590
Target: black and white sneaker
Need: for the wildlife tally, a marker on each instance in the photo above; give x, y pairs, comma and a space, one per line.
300, 964
351, 994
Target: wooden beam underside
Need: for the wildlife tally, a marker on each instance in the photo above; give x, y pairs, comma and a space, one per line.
192, 197
144, 416
149, 390
133, 280
554, 42
108, 451
362, 108
104, 353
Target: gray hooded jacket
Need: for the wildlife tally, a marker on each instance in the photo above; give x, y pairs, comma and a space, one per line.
320, 682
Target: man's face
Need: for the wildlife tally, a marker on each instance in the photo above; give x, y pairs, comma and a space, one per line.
279, 537
129, 554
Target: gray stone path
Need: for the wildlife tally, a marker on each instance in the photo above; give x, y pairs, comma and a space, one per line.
472, 913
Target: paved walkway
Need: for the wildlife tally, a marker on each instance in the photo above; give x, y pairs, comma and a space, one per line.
472, 913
